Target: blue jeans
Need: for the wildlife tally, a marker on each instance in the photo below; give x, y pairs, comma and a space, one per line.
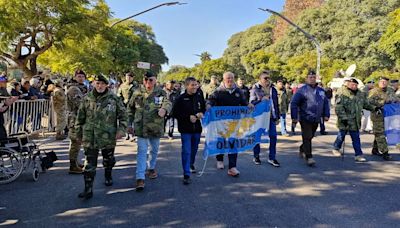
272, 142
190, 145
283, 124
355, 138
141, 158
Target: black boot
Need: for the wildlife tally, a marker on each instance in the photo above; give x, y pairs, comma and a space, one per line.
88, 192
108, 177
375, 151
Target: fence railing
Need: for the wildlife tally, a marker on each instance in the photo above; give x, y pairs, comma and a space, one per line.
29, 116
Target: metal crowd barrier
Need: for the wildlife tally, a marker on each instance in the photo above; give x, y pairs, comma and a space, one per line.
31, 116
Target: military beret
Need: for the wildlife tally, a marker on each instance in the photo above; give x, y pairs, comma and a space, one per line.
370, 82
101, 78
394, 81
149, 74
80, 72
353, 80
311, 72
384, 78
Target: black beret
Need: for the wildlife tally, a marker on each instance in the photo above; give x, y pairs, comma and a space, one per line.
384, 78
80, 72
149, 74
101, 78
394, 81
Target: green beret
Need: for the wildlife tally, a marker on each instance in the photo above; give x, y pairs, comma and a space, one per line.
101, 78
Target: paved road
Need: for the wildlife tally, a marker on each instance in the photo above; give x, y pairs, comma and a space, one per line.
334, 194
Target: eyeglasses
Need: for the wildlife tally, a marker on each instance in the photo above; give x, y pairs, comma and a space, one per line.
149, 79
265, 78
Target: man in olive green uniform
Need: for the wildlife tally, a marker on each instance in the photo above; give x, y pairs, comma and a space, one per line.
349, 105
59, 104
148, 106
211, 87
100, 122
379, 96
283, 102
75, 93
125, 91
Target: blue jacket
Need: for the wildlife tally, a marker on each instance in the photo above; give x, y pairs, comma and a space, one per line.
256, 95
311, 103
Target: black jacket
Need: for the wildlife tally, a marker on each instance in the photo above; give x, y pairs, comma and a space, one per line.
246, 92
224, 97
186, 105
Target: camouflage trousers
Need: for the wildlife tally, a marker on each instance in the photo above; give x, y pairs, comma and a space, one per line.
74, 145
380, 142
91, 157
61, 121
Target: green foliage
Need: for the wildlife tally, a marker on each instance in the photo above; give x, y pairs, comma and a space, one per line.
116, 50
259, 61
348, 30
31, 27
240, 45
177, 73
390, 40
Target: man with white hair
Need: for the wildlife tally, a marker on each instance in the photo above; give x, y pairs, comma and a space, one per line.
228, 94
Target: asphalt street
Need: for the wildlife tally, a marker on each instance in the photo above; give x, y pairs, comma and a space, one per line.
336, 193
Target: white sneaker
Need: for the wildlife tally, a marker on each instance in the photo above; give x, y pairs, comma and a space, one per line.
233, 172
360, 158
336, 153
220, 165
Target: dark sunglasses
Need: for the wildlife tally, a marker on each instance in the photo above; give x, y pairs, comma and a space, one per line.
149, 79
265, 78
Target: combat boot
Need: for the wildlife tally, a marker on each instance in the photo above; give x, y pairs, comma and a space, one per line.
74, 168
108, 177
88, 191
375, 151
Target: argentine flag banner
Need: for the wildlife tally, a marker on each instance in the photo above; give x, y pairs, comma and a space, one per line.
234, 129
391, 114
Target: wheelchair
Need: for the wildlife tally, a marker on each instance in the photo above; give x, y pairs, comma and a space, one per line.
18, 153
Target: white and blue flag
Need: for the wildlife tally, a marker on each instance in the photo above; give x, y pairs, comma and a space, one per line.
391, 114
234, 129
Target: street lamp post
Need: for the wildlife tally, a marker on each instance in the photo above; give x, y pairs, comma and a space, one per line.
155, 7
309, 36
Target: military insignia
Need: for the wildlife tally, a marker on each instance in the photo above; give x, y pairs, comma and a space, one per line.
322, 93
237, 94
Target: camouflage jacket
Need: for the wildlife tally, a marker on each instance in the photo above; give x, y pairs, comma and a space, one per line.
124, 91
59, 99
209, 89
99, 119
143, 110
379, 97
75, 96
349, 108
283, 101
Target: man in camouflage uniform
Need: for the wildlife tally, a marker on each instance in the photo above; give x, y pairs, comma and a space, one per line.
126, 88
349, 105
125, 91
395, 86
59, 104
75, 93
100, 122
172, 95
283, 101
148, 107
211, 87
379, 96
